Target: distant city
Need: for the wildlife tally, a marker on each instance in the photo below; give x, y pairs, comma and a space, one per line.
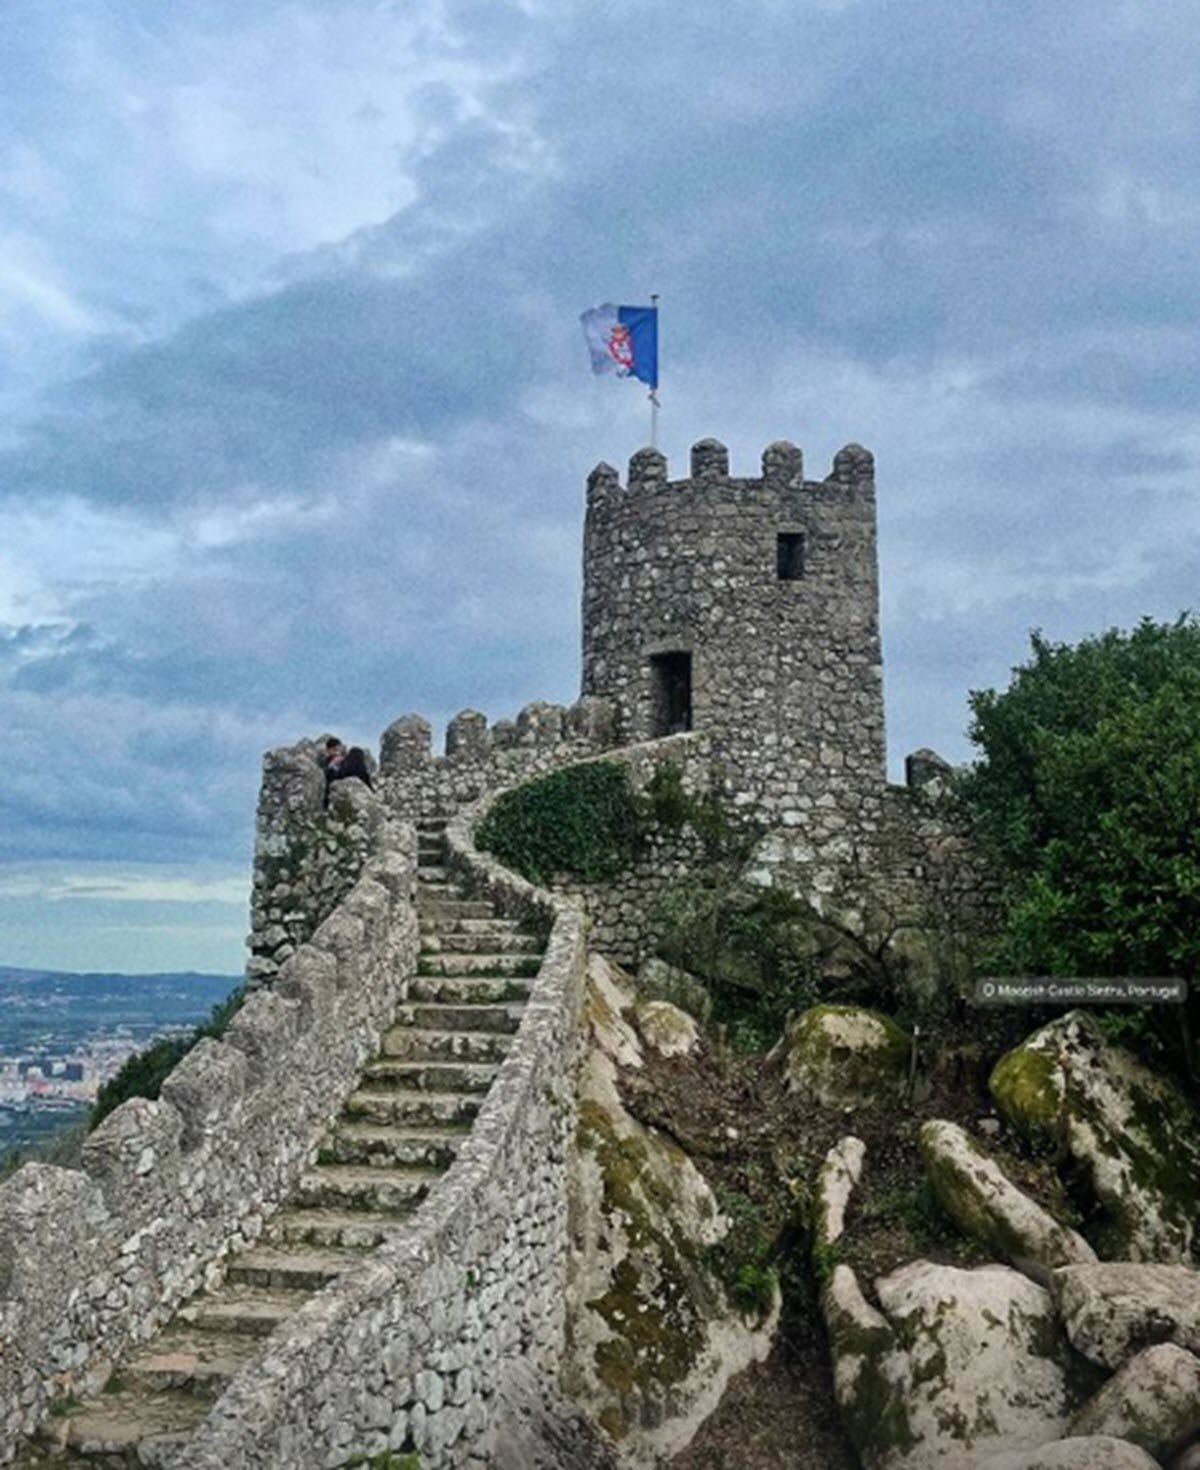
62, 1036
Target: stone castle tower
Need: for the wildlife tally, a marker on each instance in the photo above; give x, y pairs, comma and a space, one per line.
747, 610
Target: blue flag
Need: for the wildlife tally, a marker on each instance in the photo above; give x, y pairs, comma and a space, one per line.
623, 341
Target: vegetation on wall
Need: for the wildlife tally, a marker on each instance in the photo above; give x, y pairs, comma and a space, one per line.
144, 1073
588, 822
1086, 799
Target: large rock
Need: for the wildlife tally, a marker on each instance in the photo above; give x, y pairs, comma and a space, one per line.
843, 1056
957, 1367
1114, 1309
666, 1029
1153, 1401
837, 1180
1077, 1454
1133, 1131
654, 1338
987, 1206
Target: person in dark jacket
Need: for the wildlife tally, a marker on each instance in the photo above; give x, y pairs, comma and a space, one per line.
340, 763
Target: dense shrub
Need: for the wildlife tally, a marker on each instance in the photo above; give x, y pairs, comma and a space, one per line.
587, 821
1086, 798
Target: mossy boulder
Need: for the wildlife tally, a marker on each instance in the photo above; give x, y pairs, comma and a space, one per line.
1153, 1402
666, 1029
1114, 1309
837, 1180
846, 1056
1132, 1131
953, 1368
988, 1207
654, 1338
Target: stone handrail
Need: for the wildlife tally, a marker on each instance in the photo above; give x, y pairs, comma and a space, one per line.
450, 1336
94, 1260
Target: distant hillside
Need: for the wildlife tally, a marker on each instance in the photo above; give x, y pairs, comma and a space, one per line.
36, 1002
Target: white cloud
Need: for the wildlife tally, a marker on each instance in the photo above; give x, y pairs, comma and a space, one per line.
101, 883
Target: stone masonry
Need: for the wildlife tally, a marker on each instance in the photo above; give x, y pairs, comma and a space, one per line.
760, 598
731, 628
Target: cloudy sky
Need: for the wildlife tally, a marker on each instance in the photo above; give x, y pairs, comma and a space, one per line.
295, 412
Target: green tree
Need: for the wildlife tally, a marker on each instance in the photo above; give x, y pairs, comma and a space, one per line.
1086, 797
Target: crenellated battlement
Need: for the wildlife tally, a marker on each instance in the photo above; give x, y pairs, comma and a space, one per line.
745, 607
480, 758
93, 1259
782, 470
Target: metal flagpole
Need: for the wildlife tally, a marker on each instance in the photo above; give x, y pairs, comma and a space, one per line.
654, 391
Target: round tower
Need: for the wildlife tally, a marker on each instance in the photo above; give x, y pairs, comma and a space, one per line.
747, 609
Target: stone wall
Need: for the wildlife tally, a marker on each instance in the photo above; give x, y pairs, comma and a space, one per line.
306, 858
785, 669
914, 867
449, 1339
94, 1260
622, 910
480, 760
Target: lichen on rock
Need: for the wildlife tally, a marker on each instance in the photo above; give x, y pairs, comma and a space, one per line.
845, 1056
1090, 1453
953, 1368
1114, 1309
988, 1207
666, 1029
1153, 1401
1133, 1131
653, 1337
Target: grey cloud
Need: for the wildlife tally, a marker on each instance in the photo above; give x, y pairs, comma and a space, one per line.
815, 192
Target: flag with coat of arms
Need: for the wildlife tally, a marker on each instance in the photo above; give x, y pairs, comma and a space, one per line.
623, 341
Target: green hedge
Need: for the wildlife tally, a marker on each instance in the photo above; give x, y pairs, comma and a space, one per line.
584, 820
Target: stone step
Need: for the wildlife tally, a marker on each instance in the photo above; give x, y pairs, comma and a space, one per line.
131, 1427
382, 1146
432, 874
254, 1310
296, 1268
429, 1076
523, 965
433, 1016
360, 1187
392, 1108
439, 907
492, 925
361, 1229
414, 1043
469, 990
431, 824
189, 1358
488, 941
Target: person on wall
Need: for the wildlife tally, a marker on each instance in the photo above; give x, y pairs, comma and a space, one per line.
340, 764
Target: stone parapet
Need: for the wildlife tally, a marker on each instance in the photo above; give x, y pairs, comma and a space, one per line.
480, 759
306, 857
94, 1260
450, 1336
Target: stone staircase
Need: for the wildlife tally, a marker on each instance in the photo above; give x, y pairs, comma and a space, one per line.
398, 1132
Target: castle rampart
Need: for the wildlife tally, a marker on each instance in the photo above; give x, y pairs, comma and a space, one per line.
307, 856
731, 630
480, 759
93, 1260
